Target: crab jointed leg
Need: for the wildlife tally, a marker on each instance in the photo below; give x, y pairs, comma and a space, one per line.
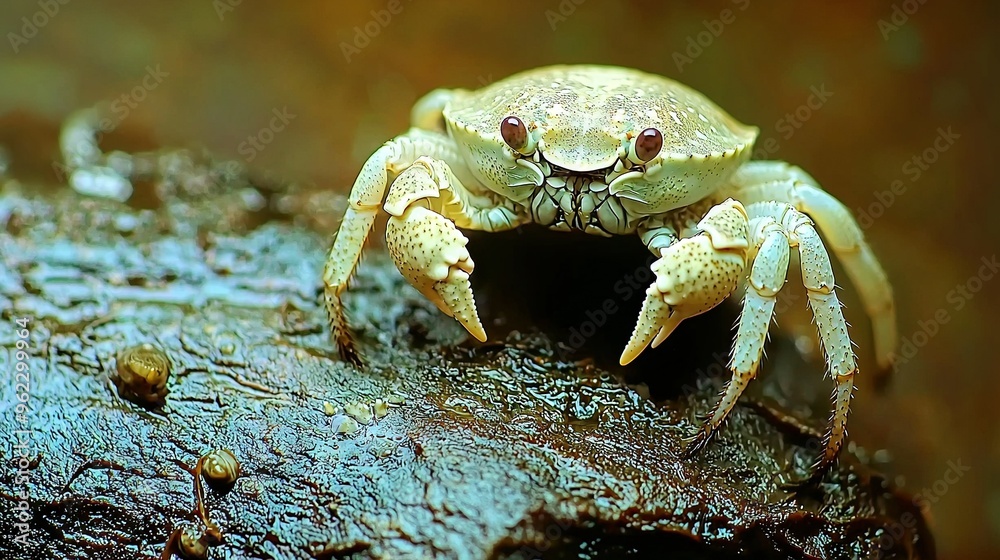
422, 257
773, 223
363, 205
817, 275
770, 254
758, 181
693, 275
775, 228
697, 273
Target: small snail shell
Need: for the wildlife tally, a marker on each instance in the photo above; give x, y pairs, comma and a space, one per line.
220, 467
191, 543
142, 373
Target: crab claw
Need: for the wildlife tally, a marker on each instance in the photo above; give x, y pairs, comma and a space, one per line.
656, 321
692, 276
430, 253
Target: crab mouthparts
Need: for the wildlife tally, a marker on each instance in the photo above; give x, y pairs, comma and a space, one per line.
574, 201
577, 181
538, 170
570, 175
602, 173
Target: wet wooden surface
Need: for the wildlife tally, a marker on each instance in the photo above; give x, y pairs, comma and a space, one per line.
501, 450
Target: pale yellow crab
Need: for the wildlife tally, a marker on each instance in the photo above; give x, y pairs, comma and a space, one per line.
613, 151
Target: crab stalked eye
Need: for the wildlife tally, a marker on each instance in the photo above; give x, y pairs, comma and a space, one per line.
514, 133
647, 144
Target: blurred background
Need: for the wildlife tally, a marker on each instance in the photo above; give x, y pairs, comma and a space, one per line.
892, 106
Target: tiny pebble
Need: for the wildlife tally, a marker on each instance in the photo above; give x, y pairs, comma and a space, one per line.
361, 412
329, 409
381, 408
253, 200
101, 182
120, 163
125, 223
343, 424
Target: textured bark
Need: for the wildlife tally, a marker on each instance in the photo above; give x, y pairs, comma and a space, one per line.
502, 450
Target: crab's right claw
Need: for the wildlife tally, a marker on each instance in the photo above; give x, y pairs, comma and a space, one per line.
692, 276
430, 253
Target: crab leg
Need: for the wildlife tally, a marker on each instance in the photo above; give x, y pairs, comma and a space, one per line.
767, 276
776, 228
693, 275
364, 201
759, 181
363, 205
817, 275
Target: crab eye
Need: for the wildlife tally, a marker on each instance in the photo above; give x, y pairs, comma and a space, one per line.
514, 133
647, 144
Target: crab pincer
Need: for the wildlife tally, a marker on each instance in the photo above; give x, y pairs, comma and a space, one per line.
430, 253
692, 276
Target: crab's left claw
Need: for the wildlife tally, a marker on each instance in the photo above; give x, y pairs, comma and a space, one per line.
430, 253
692, 276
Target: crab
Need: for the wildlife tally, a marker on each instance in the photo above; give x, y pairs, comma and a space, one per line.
614, 151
